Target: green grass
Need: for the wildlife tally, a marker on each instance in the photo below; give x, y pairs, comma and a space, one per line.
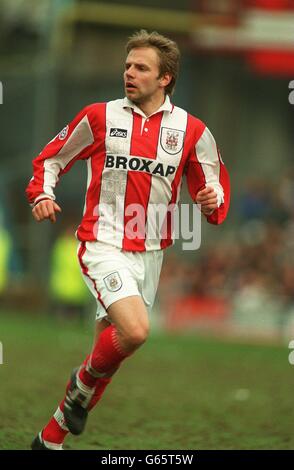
176, 392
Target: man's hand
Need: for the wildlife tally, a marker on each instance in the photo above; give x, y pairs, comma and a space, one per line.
208, 199
46, 210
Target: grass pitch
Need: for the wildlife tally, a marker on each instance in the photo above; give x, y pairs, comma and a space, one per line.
176, 392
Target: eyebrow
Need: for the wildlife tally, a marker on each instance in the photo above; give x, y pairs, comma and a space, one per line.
138, 64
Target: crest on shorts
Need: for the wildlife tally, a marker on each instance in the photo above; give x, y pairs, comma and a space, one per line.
62, 135
172, 140
113, 282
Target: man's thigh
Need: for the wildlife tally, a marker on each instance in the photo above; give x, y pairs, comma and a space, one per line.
111, 275
129, 314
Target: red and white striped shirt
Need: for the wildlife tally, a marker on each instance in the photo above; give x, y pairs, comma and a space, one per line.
132, 160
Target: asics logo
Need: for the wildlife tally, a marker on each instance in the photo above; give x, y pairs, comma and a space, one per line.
115, 132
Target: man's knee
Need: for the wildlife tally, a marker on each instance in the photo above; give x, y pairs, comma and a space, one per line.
131, 320
136, 336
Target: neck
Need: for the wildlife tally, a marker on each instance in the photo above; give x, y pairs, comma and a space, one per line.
152, 105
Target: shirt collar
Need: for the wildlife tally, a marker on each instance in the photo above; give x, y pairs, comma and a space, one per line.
166, 106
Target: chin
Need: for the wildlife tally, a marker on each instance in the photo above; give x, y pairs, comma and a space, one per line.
131, 96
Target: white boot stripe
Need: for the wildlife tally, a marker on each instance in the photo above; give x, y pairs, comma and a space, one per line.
59, 417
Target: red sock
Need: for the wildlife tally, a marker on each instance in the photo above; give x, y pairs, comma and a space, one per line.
99, 390
53, 431
105, 358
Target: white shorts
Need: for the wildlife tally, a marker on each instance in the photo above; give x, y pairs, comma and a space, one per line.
112, 274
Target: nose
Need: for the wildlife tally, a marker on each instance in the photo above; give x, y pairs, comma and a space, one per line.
130, 72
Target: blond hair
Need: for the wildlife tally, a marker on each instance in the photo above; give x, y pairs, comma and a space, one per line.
167, 50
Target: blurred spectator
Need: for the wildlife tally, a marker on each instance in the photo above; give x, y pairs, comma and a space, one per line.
255, 200
284, 195
69, 294
5, 252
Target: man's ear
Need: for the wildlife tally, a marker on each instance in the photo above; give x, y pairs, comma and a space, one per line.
165, 80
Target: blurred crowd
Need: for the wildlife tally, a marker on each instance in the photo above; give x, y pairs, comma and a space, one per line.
250, 270
247, 275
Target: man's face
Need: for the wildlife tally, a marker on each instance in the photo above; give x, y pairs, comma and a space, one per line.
141, 76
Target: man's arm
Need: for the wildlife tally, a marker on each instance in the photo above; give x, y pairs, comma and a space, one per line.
207, 178
75, 141
45, 209
207, 198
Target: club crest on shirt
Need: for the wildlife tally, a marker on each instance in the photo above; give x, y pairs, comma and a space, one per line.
171, 140
113, 282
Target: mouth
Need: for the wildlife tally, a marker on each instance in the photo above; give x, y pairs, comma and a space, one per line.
130, 86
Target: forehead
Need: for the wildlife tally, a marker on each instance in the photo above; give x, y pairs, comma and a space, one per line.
143, 55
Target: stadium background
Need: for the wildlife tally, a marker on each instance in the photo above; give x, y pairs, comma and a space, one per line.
225, 313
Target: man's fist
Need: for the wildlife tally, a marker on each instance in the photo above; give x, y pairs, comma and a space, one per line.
207, 198
45, 209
